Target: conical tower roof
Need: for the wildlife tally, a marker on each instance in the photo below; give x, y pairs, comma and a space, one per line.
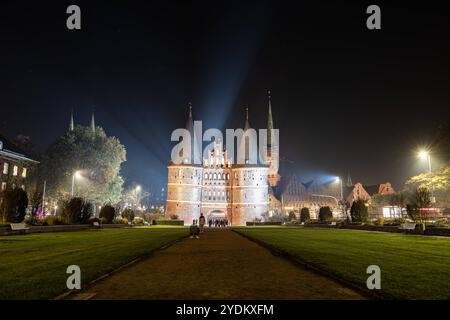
269, 122
190, 121
71, 124
247, 123
93, 122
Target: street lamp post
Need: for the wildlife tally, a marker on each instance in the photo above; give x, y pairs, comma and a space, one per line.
425, 155
338, 179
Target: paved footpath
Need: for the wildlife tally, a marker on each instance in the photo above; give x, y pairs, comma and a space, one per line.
219, 265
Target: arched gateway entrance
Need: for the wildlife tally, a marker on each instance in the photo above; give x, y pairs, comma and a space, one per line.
215, 215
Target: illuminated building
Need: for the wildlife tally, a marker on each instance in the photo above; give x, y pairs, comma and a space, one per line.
220, 189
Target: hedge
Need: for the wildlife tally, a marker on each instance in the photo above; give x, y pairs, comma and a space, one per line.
267, 223
169, 222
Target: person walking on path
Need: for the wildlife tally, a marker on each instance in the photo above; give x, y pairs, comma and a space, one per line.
201, 222
194, 230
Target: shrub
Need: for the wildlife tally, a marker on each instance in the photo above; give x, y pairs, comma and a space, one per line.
13, 205
379, 221
359, 211
107, 213
151, 217
77, 211
292, 216
138, 221
394, 222
51, 221
441, 223
304, 215
174, 217
325, 214
120, 221
128, 214
170, 222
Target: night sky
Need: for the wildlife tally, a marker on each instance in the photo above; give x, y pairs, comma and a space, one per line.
345, 98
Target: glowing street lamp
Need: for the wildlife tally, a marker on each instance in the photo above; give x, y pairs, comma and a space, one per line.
339, 180
425, 155
77, 175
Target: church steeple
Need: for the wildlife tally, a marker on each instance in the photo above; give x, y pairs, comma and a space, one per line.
190, 121
93, 122
247, 123
269, 122
190, 158
349, 180
71, 124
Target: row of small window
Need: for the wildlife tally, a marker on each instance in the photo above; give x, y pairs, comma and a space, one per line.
218, 193
14, 186
223, 176
15, 170
216, 176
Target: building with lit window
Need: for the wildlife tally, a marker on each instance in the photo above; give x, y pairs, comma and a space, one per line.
15, 165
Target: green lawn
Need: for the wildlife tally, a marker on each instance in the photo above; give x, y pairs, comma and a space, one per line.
412, 267
34, 266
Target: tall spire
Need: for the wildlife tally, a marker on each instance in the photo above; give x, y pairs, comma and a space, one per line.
71, 124
269, 122
349, 180
93, 122
190, 127
247, 123
190, 121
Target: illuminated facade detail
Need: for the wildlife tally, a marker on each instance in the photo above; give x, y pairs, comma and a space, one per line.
238, 193
218, 188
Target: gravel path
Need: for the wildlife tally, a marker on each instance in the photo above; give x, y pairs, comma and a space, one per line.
219, 265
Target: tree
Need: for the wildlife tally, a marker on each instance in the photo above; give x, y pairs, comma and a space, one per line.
14, 202
304, 215
277, 216
438, 181
399, 199
325, 214
133, 196
108, 213
292, 216
381, 200
77, 211
359, 211
128, 214
95, 155
35, 202
419, 200
422, 198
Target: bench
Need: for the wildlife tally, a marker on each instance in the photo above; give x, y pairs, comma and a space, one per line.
19, 228
333, 223
96, 224
408, 226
